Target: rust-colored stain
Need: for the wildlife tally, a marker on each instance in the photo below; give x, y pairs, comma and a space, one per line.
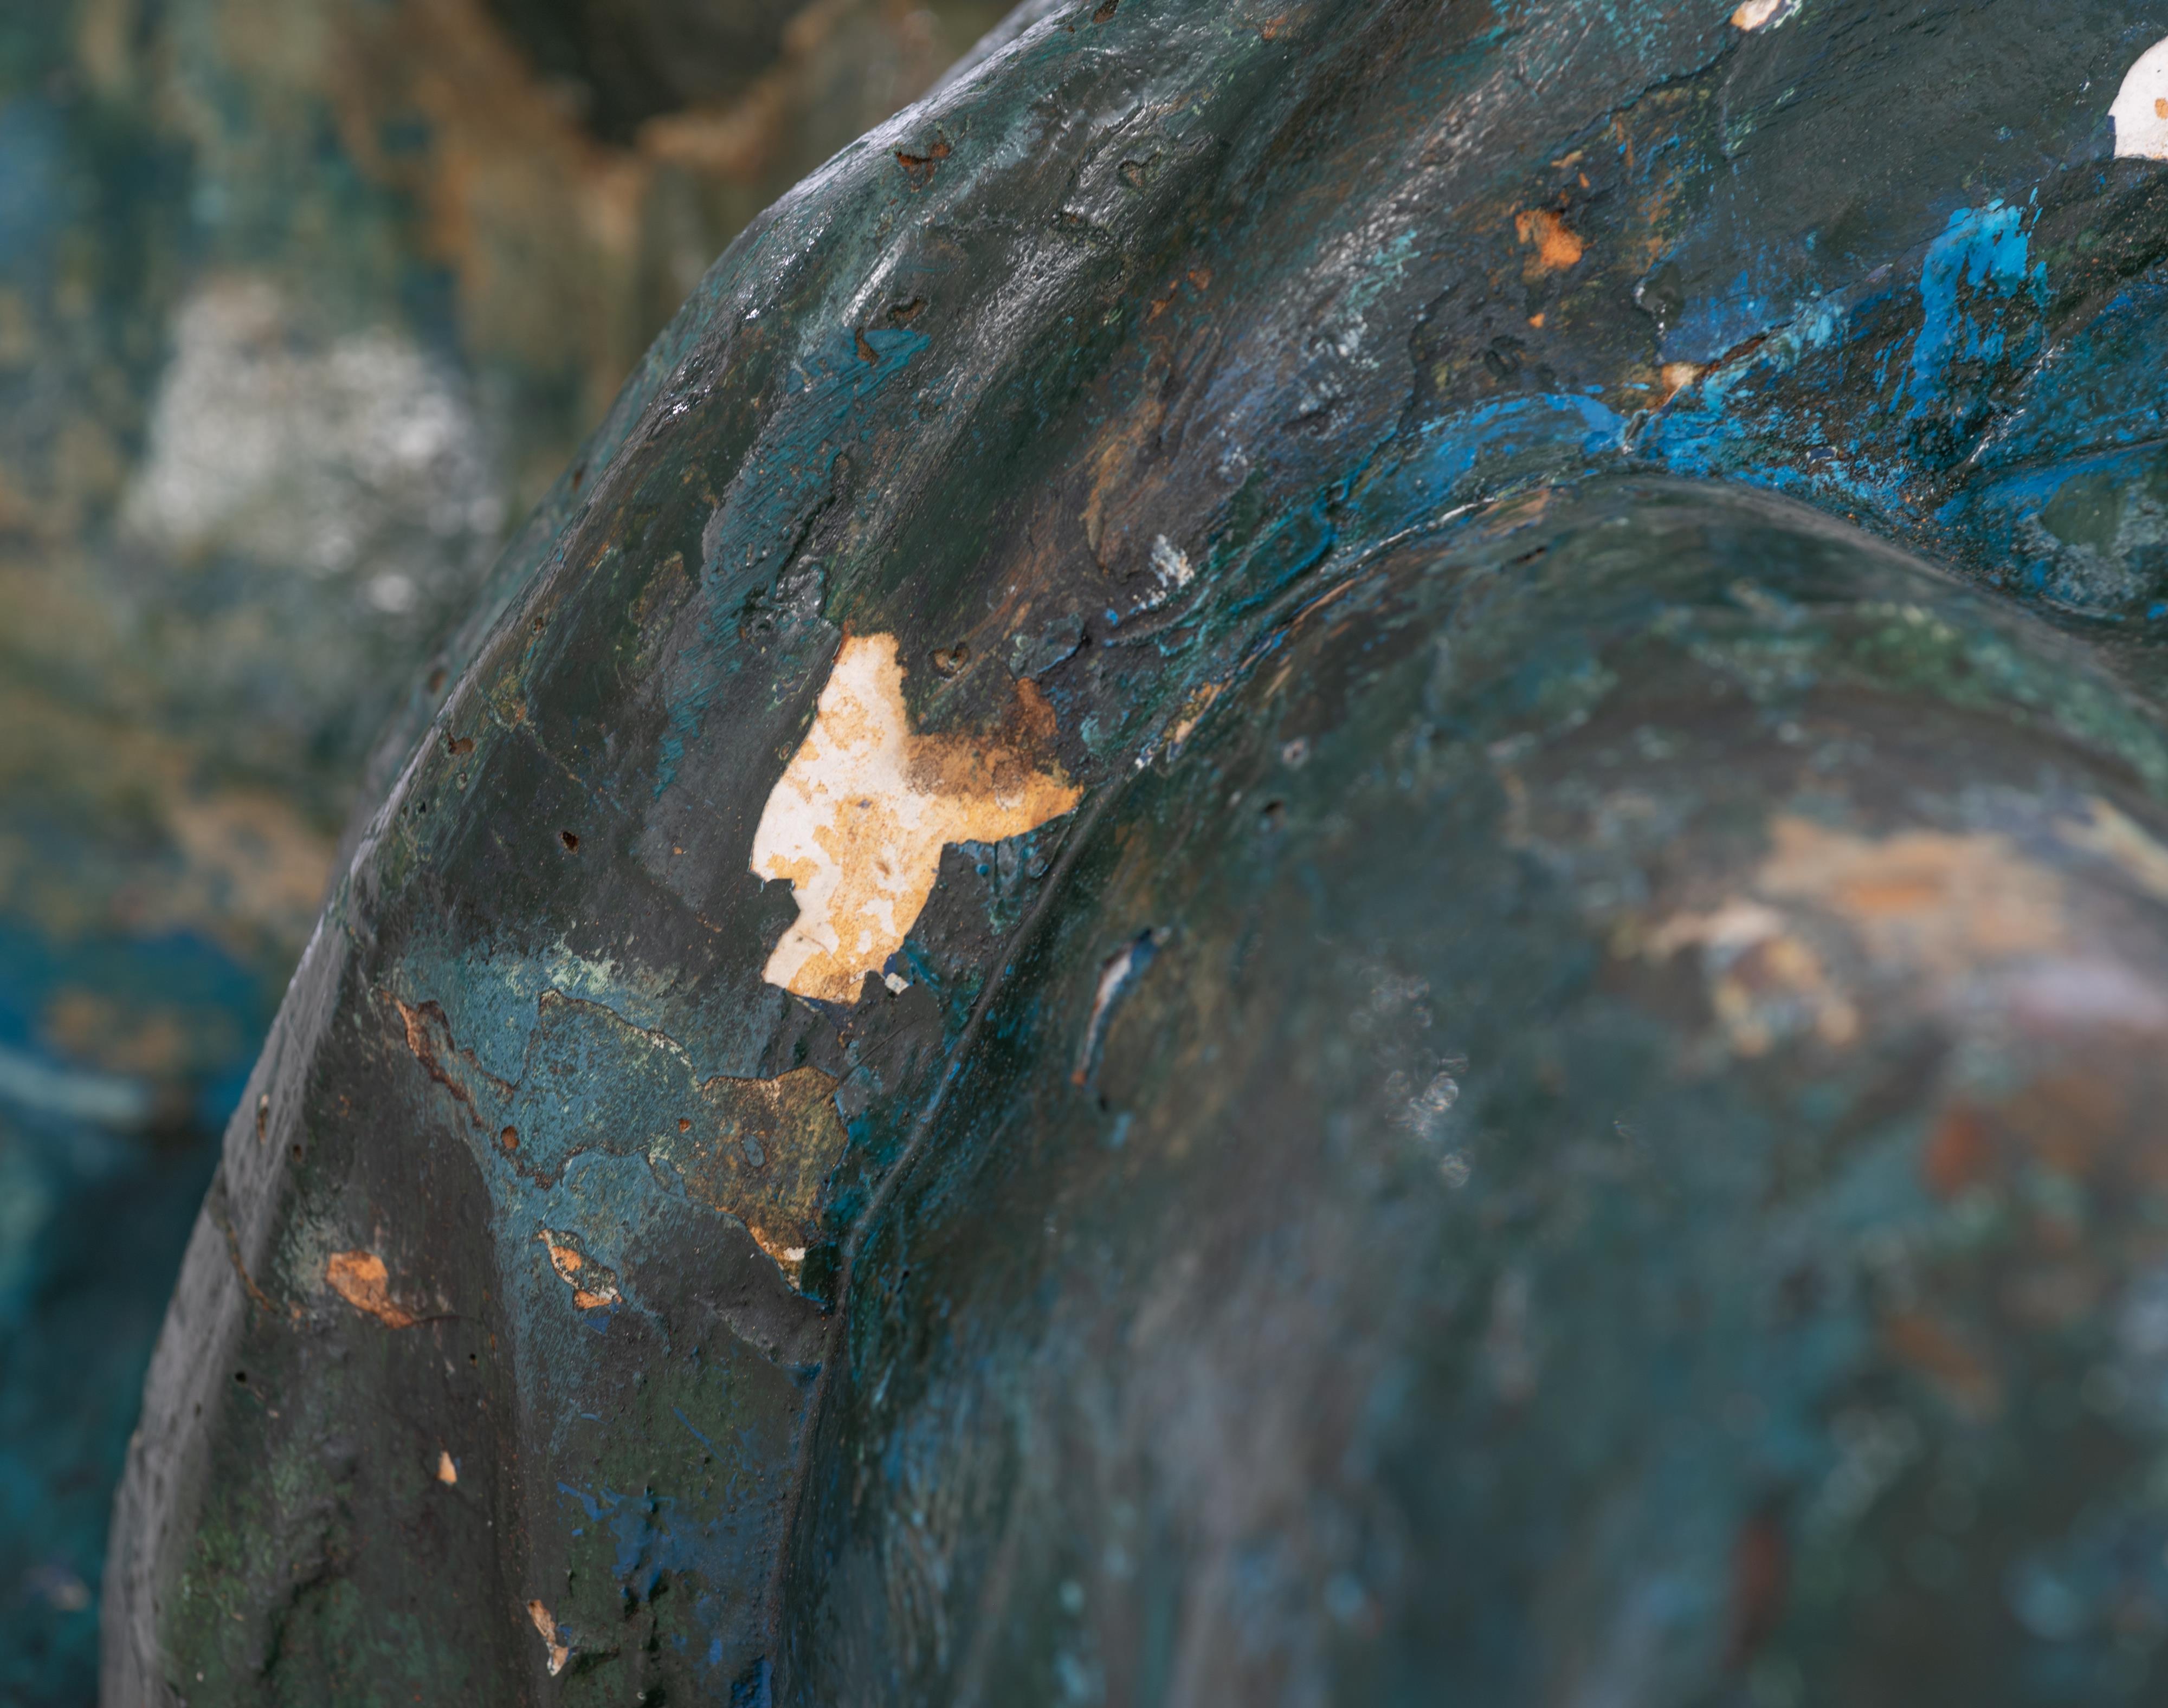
763, 1155
560, 1651
446, 1473
1556, 248
858, 819
594, 1288
919, 168
360, 1278
429, 1040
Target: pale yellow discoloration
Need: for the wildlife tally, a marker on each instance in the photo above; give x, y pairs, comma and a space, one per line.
360, 1278
1937, 902
858, 819
560, 1652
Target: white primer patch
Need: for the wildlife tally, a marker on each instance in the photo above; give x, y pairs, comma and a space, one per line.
857, 820
2140, 111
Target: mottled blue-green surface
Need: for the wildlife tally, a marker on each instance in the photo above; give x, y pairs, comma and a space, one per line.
1572, 1118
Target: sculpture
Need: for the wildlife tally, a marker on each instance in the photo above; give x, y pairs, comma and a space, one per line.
1559, 1102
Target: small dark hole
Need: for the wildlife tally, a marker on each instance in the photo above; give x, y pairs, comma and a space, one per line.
1272, 817
241, 1376
457, 745
437, 679
1107, 8
684, 1126
579, 476
571, 842
471, 1359
949, 660
297, 1152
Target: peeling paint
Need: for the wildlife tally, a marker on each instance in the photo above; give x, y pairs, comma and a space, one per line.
859, 817
2140, 111
560, 1651
1556, 248
360, 1278
1762, 14
594, 1288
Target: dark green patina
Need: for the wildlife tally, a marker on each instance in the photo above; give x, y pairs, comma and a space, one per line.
1573, 1116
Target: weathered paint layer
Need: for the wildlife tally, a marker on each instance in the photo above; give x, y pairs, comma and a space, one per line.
858, 821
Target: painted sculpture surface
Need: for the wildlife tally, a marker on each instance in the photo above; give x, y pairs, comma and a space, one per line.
1552, 1091
303, 303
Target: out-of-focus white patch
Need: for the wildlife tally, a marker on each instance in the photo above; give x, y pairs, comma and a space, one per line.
325, 456
1763, 14
393, 593
2140, 111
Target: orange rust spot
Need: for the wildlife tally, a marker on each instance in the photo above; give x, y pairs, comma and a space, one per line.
594, 1286
446, 1473
919, 167
360, 1279
509, 1138
1556, 248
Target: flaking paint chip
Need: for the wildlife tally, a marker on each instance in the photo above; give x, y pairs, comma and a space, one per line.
446, 1473
560, 1651
2140, 111
594, 1288
1762, 14
360, 1278
858, 819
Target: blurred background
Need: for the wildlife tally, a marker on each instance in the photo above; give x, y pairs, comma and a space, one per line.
303, 304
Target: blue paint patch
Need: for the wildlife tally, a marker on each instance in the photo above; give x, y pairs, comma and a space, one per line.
1982, 251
